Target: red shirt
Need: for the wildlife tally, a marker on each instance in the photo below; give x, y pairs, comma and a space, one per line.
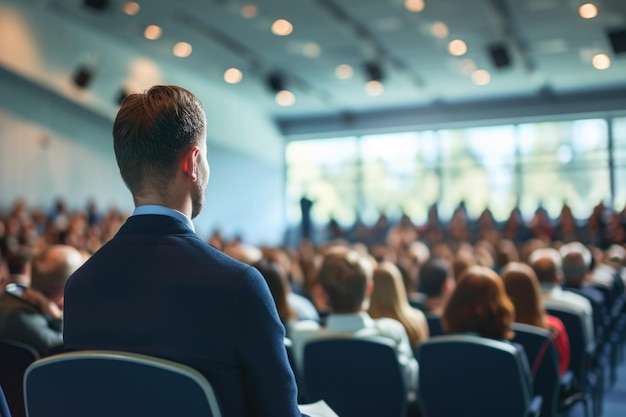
561, 341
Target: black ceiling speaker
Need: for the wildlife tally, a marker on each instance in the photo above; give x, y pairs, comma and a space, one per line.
374, 72
82, 77
617, 37
499, 55
275, 82
97, 4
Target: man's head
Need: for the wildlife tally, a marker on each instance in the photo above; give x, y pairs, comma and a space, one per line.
435, 278
576, 262
19, 266
546, 262
346, 278
52, 267
157, 136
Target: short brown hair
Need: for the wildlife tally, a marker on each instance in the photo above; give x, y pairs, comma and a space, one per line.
479, 304
344, 275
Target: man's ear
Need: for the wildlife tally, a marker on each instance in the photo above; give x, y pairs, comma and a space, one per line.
190, 163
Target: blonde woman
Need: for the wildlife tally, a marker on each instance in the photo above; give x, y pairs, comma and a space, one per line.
389, 299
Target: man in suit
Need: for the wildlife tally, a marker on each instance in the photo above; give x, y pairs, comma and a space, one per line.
34, 315
158, 289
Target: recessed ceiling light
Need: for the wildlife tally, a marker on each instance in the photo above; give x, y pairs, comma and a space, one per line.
467, 66
344, 71
233, 76
374, 88
601, 61
182, 49
481, 77
282, 27
311, 50
414, 5
249, 11
588, 11
439, 30
457, 47
131, 8
285, 98
152, 32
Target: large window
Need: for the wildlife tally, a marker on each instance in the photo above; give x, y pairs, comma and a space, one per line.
528, 165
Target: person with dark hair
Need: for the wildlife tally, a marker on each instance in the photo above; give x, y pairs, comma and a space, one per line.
158, 289
345, 281
436, 283
34, 315
278, 284
19, 265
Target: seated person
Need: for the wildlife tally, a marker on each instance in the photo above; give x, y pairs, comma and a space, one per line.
479, 305
34, 315
522, 287
436, 282
345, 280
389, 299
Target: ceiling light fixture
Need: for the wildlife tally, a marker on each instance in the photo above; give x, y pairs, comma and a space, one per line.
344, 71
481, 77
374, 88
588, 11
414, 5
152, 32
249, 11
457, 47
601, 61
182, 49
282, 27
285, 98
131, 8
311, 50
439, 30
233, 76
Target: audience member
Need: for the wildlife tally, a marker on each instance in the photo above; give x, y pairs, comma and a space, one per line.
276, 280
158, 289
547, 263
345, 279
437, 283
522, 287
34, 315
479, 304
19, 265
389, 299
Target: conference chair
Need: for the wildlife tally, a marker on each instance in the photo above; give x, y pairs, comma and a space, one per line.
471, 376
4, 407
587, 373
106, 383
558, 393
15, 357
434, 325
356, 377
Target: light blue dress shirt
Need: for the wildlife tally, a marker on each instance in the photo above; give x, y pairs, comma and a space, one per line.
164, 211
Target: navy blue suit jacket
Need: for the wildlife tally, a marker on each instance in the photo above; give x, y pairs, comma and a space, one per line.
156, 288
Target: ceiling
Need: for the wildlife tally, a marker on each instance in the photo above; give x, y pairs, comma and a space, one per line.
549, 45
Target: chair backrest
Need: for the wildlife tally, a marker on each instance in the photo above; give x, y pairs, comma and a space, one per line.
434, 325
540, 349
104, 384
15, 357
470, 376
357, 377
577, 344
4, 407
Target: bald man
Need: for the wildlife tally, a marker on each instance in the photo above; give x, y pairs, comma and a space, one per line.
34, 315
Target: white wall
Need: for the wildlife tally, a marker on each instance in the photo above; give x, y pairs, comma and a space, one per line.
51, 147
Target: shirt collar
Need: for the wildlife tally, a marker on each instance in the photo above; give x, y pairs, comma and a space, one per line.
164, 211
349, 322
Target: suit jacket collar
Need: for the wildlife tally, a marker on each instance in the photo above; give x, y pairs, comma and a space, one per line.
155, 224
